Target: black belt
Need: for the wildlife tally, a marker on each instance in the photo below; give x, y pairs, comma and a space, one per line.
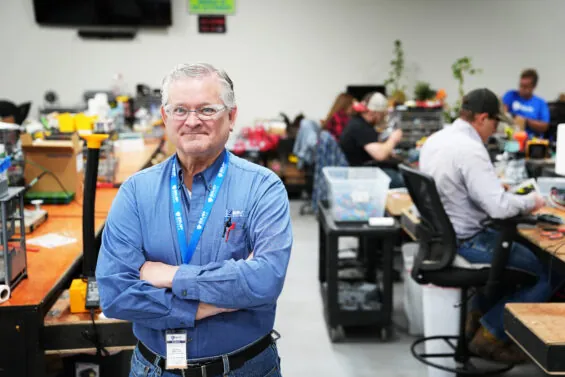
211, 367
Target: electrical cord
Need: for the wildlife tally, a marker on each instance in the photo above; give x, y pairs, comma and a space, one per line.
557, 247
44, 171
94, 338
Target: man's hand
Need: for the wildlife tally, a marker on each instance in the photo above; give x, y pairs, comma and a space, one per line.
208, 310
159, 275
520, 122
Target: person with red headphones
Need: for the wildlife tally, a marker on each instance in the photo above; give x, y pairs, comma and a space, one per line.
360, 141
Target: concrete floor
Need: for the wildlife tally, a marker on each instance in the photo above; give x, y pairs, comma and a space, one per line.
305, 347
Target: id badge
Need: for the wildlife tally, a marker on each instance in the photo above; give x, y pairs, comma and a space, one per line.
176, 349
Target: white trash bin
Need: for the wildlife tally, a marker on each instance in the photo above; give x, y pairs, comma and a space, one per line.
441, 317
413, 300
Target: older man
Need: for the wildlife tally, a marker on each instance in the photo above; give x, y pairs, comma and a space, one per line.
195, 249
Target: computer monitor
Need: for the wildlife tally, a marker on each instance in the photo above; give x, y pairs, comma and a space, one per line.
557, 116
359, 91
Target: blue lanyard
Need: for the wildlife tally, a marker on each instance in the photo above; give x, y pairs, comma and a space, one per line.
187, 250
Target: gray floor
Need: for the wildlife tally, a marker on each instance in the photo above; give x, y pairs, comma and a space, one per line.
305, 347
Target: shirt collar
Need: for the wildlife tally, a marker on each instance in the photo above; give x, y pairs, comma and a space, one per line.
207, 175
464, 126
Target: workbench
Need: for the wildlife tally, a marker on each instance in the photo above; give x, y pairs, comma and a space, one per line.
36, 321
538, 328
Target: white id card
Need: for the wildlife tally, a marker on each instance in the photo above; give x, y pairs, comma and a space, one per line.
176, 349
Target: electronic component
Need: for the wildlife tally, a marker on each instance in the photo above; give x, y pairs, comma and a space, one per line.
92, 296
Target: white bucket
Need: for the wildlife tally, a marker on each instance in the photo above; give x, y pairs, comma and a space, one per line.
413, 300
441, 317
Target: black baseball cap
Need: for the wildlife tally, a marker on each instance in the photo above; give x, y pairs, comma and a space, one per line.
485, 101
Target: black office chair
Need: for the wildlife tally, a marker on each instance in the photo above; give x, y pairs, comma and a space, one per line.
434, 264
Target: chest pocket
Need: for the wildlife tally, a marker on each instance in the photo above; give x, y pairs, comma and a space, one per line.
237, 245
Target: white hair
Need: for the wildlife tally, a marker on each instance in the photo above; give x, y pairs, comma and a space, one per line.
199, 70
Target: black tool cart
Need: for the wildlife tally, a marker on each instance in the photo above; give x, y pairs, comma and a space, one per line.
371, 302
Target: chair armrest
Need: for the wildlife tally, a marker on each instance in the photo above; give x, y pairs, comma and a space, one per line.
507, 234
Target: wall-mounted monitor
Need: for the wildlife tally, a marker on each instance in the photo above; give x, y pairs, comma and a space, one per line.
359, 91
103, 13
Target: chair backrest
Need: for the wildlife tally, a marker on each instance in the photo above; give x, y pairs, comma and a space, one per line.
328, 153
18, 113
438, 241
306, 142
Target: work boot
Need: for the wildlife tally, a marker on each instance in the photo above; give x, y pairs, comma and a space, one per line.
473, 324
487, 346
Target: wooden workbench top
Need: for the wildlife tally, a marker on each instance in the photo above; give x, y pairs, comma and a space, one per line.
534, 235
46, 267
545, 320
539, 329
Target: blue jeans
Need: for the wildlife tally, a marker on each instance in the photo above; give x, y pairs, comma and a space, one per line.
480, 249
396, 179
265, 364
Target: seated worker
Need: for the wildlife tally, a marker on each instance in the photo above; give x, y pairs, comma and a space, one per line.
360, 140
339, 115
471, 192
529, 111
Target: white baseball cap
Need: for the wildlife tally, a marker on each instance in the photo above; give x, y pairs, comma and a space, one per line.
377, 102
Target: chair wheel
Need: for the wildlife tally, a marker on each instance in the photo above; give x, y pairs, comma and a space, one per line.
336, 334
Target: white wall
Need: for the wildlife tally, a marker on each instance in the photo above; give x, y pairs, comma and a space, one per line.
296, 55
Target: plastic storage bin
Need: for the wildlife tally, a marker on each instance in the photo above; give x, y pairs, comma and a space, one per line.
356, 194
413, 292
441, 317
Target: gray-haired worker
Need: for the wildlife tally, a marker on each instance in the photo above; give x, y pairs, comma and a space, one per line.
195, 249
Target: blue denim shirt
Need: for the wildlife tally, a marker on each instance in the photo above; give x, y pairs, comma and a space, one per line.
140, 227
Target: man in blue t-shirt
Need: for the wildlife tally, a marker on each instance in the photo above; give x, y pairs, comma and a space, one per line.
529, 111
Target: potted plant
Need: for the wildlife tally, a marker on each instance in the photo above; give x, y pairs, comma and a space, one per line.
395, 74
461, 67
423, 93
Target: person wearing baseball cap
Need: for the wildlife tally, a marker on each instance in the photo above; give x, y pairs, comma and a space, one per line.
471, 192
360, 141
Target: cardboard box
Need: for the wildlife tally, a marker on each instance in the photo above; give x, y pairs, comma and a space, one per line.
63, 158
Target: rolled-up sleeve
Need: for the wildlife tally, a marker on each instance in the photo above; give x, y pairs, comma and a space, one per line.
485, 188
247, 283
122, 294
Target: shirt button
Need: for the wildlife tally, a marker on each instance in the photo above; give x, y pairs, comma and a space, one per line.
184, 292
209, 187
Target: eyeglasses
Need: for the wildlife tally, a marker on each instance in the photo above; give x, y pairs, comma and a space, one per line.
208, 112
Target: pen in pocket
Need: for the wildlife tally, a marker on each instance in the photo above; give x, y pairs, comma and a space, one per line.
229, 229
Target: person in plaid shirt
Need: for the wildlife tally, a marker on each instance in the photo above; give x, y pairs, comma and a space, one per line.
339, 115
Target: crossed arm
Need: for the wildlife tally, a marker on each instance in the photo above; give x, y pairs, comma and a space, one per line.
162, 296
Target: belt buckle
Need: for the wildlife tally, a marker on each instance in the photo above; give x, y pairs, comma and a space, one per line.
201, 366
275, 336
